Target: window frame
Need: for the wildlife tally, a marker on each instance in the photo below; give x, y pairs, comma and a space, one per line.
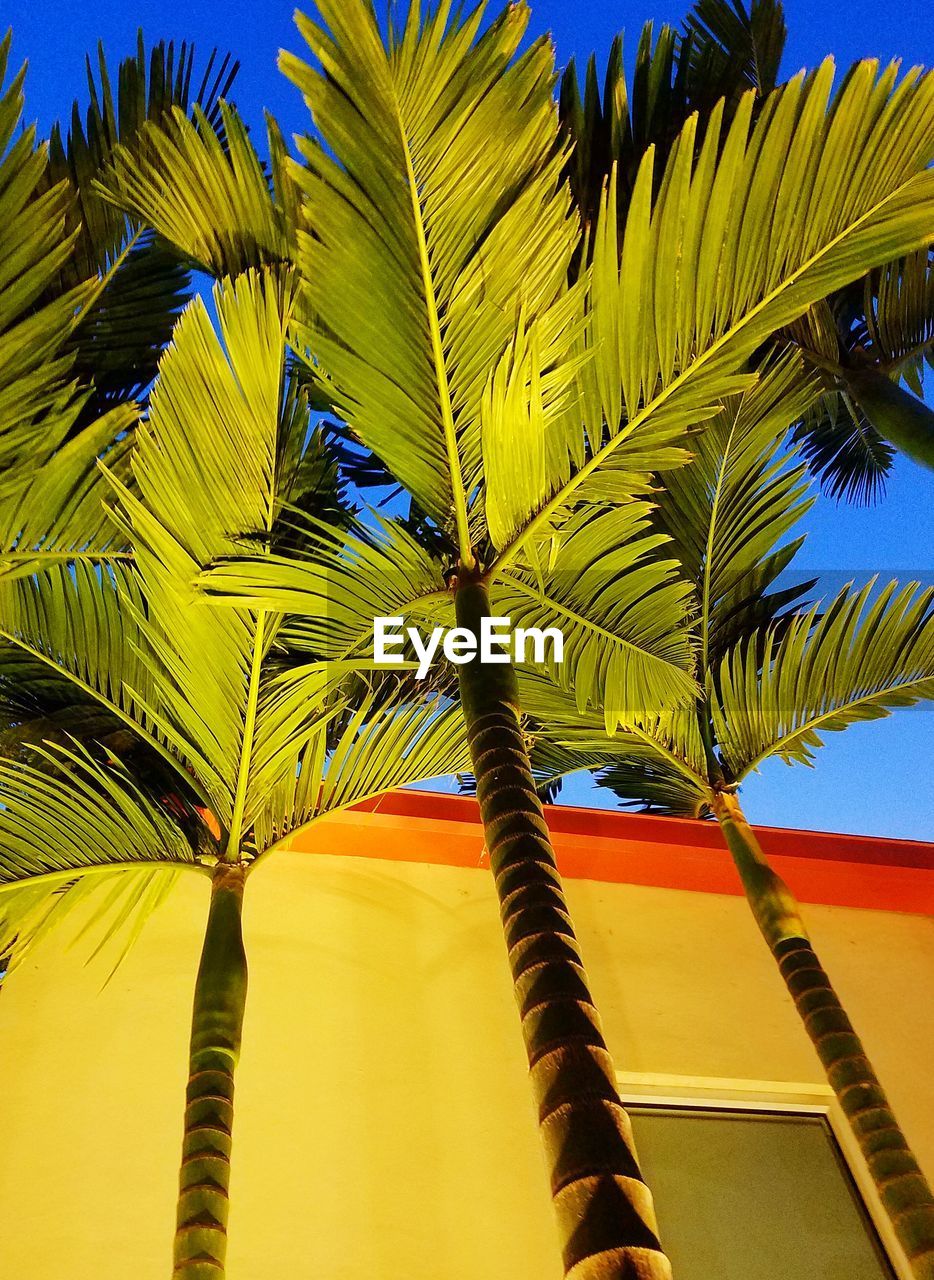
765, 1097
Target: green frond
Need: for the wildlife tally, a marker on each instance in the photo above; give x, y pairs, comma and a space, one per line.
118, 903
616, 598
744, 491
730, 46
723, 52
333, 592
844, 450
51, 494
859, 658
56, 510
294, 709
383, 744
656, 763
744, 236
37, 398
438, 219
123, 333
148, 89
898, 308
552, 763
118, 342
83, 621
641, 780
204, 191
871, 339
83, 829
530, 411
204, 468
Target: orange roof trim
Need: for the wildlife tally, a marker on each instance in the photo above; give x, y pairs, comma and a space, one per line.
671, 853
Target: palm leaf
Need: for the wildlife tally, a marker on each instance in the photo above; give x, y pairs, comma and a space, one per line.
118, 343
57, 512
723, 52
883, 328
83, 622
35, 393
657, 763
843, 448
483, 347
338, 586
794, 207
50, 490
898, 306
205, 192
731, 46
381, 744
728, 512
438, 219
63, 844
620, 607
857, 660
204, 469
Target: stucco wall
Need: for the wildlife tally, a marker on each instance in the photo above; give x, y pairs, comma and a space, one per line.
384, 1129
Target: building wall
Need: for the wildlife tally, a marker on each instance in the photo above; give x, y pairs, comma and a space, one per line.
384, 1129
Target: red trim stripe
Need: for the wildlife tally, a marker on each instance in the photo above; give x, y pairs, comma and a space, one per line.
625, 848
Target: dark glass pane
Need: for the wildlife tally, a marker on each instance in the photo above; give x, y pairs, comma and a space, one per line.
753, 1196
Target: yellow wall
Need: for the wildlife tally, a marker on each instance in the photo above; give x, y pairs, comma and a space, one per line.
384, 1130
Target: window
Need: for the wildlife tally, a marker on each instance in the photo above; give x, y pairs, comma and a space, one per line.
753, 1188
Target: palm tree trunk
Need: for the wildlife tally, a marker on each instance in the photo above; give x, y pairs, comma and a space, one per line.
902, 1187
606, 1218
217, 1022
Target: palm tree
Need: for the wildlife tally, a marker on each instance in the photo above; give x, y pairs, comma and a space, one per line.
775, 677
252, 743
523, 415
120, 690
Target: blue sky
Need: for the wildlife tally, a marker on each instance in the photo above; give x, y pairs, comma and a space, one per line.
874, 778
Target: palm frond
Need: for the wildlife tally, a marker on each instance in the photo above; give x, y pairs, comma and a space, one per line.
656, 763
857, 660
763, 224
728, 512
868, 339
149, 88
437, 218
722, 52
205, 192
552, 764
621, 609
844, 450
57, 511
732, 46
123, 333
383, 743
37, 397
83, 622
59, 843
51, 494
204, 468
898, 307
339, 585
118, 342
294, 710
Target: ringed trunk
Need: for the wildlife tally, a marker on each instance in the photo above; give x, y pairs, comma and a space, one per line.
606, 1217
902, 1187
217, 1022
